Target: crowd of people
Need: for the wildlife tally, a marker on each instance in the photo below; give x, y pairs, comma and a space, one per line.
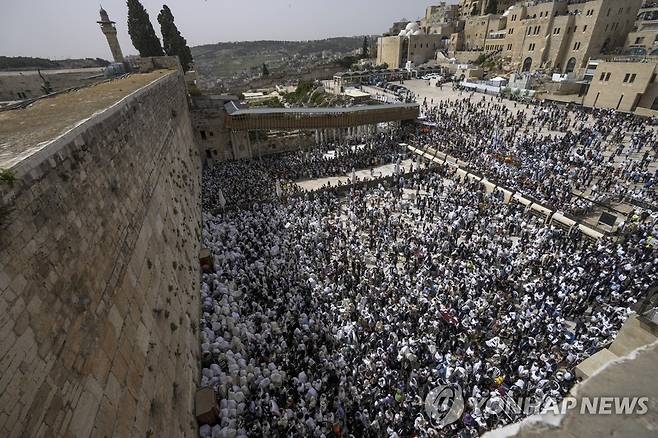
335, 159
275, 176
330, 316
334, 313
565, 158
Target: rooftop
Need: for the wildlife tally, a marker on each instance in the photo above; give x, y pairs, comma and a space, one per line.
234, 109
26, 131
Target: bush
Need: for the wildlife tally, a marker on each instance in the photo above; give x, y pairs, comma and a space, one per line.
7, 177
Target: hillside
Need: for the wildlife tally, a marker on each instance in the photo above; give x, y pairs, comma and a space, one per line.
29, 63
234, 65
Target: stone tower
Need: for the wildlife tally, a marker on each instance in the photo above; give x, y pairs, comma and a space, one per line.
110, 31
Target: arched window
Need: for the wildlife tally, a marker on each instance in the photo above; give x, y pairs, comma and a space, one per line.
527, 64
571, 66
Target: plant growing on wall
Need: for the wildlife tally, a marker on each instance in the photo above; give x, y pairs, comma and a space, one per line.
7, 177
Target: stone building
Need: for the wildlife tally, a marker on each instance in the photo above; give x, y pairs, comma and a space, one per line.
470, 8
562, 36
552, 35
643, 40
410, 45
441, 19
625, 84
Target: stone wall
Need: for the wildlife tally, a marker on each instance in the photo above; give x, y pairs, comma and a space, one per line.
99, 276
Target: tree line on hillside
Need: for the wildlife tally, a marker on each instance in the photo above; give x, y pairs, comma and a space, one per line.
147, 42
246, 48
30, 63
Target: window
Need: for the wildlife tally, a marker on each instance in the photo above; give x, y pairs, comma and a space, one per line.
602, 76
211, 133
639, 40
627, 77
531, 47
203, 135
607, 77
509, 47
585, 29
576, 46
632, 79
609, 11
575, 28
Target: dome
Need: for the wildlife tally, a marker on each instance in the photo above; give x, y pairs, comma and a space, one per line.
402, 33
417, 32
412, 26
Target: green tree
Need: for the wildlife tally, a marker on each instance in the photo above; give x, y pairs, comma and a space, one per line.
173, 42
266, 71
141, 30
365, 50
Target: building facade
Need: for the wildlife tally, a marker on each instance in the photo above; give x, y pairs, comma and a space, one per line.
643, 39
625, 84
562, 36
556, 36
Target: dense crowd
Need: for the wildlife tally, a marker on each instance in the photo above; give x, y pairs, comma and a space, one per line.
275, 176
334, 316
549, 153
334, 159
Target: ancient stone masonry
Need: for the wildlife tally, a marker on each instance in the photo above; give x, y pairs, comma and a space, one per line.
99, 278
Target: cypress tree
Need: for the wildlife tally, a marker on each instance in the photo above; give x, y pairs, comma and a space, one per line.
266, 71
141, 30
365, 48
174, 43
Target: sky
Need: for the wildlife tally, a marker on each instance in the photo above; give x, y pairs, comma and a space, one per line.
60, 29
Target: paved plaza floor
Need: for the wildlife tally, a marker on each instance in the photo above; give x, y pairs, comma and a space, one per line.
362, 175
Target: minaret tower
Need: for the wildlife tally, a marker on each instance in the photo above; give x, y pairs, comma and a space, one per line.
110, 31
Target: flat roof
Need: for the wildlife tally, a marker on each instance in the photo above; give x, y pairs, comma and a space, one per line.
234, 110
28, 130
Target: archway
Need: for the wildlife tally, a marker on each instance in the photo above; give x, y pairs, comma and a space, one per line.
571, 66
527, 64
